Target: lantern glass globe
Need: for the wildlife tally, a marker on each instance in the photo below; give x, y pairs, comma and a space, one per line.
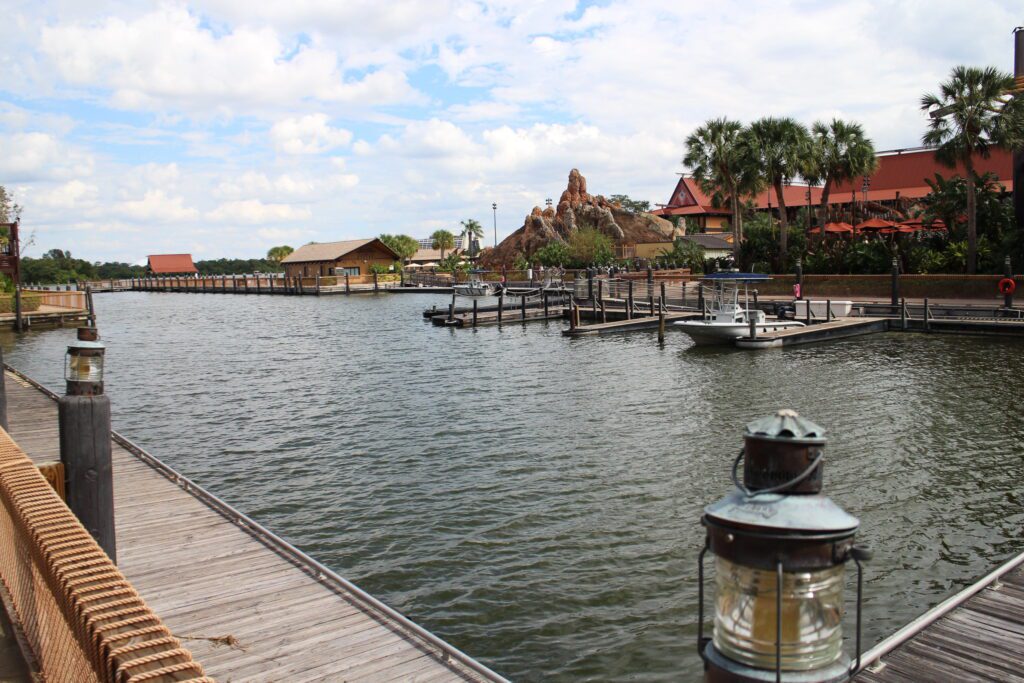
746, 616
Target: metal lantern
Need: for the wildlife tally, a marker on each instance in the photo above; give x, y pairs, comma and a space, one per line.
83, 367
780, 550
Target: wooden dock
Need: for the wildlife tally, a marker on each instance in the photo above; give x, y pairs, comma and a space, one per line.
249, 606
839, 328
976, 635
508, 316
646, 322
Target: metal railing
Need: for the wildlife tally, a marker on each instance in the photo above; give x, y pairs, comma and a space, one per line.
80, 618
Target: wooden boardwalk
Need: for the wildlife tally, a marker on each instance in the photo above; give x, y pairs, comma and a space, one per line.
977, 635
248, 605
645, 322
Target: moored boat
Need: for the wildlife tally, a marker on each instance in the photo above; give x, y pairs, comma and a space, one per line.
727, 314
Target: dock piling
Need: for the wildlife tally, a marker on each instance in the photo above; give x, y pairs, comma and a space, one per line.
501, 304
661, 320
629, 300
475, 305
828, 310
348, 289
903, 314
83, 415
700, 300
927, 315
895, 281
1008, 272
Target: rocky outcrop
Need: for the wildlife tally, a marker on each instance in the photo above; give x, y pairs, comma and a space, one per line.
576, 210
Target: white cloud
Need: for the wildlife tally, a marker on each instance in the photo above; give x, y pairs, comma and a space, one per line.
310, 134
155, 206
40, 156
168, 60
251, 211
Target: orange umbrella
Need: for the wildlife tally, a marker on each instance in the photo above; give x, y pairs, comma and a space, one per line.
876, 224
834, 228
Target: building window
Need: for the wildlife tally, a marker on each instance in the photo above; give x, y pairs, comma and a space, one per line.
347, 271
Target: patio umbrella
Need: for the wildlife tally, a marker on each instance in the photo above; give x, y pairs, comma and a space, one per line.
879, 224
834, 228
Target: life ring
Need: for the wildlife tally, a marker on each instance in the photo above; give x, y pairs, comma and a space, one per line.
1007, 286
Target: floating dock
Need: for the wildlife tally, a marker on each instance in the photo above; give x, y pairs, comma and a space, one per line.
247, 604
646, 322
976, 635
840, 328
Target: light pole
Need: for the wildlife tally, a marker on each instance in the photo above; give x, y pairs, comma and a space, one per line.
864, 196
547, 202
494, 207
780, 550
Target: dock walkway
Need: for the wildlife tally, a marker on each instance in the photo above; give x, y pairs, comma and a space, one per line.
840, 328
976, 635
249, 606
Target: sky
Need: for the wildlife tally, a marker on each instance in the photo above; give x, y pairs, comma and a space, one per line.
225, 127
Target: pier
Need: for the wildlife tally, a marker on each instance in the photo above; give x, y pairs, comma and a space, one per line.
248, 605
976, 635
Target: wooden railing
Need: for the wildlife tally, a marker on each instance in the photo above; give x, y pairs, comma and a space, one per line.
72, 301
81, 618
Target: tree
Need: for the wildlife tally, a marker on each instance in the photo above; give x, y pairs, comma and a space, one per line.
553, 254
686, 252
441, 240
718, 163
947, 197
403, 245
589, 246
277, 254
631, 205
779, 148
973, 112
10, 212
471, 231
840, 152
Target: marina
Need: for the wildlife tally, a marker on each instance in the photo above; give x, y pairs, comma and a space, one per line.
347, 498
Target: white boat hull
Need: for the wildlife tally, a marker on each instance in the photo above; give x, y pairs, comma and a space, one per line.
471, 290
707, 332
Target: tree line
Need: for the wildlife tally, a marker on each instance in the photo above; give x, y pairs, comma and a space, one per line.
973, 112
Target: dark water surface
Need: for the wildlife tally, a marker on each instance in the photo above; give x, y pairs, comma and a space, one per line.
535, 500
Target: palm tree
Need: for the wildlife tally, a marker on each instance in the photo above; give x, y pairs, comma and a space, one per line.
780, 148
841, 152
276, 254
973, 112
442, 239
471, 230
716, 161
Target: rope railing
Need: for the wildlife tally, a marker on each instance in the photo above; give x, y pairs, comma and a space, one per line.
80, 618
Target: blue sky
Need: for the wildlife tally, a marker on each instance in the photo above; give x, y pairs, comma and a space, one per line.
223, 128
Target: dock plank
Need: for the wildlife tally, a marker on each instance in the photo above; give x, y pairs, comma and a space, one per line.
978, 639
210, 578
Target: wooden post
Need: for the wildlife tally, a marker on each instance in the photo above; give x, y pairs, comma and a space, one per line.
903, 314
475, 303
522, 307
18, 327
700, 300
600, 292
270, 284
650, 301
590, 283
259, 288
664, 296
318, 284
3, 394
375, 288
85, 450
501, 303
629, 300
348, 288
800, 278
573, 317
753, 329
895, 281
661, 320
1008, 272
544, 296
927, 315
604, 312
828, 310
808, 311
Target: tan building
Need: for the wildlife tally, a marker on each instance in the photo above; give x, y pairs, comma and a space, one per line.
351, 257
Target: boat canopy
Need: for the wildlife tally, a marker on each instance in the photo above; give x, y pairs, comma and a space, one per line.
737, 277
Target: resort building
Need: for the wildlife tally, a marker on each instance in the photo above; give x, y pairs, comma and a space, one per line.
349, 257
170, 264
897, 183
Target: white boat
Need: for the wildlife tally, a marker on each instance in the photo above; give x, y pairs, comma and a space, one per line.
727, 314
473, 288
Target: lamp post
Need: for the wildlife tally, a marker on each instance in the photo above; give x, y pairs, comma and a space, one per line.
494, 207
780, 551
548, 202
83, 415
864, 196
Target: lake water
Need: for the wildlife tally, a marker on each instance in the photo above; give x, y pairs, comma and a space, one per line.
536, 500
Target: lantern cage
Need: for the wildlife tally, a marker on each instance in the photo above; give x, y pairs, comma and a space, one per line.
780, 549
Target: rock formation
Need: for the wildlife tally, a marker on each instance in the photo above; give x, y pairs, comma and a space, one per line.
576, 210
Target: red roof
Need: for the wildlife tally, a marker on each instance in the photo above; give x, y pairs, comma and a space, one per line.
166, 264
899, 174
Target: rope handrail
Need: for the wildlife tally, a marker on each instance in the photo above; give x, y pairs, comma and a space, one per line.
81, 618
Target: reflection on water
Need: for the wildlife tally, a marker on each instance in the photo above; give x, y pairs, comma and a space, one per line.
536, 500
